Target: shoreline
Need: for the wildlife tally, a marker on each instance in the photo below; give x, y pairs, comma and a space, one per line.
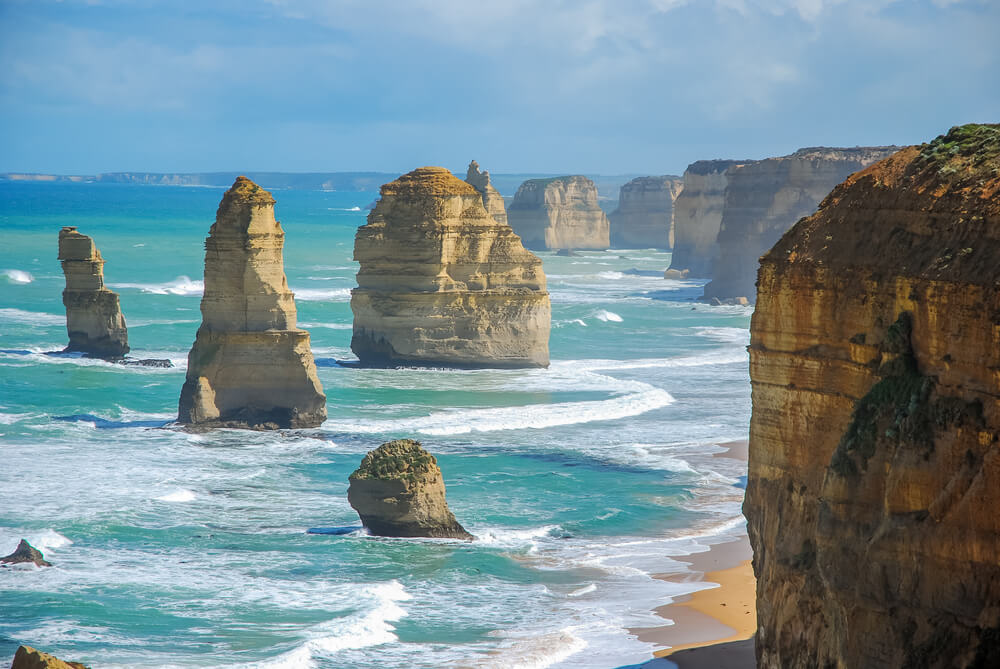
714, 626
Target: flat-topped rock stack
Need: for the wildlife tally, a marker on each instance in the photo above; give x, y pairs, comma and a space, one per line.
93, 313
442, 283
874, 473
645, 214
559, 213
698, 216
492, 200
250, 365
765, 198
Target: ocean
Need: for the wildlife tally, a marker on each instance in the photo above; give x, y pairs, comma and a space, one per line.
174, 549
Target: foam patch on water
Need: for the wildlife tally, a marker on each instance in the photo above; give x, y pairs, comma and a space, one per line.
329, 326
607, 316
22, 317
725, 335
322, 295
182, 495
535, 652
17, 276
182, 285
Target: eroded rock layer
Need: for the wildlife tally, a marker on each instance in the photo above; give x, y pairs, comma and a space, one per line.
559, 213
398, 491
27, 657
645, 214
443, 283
698, 215
492, 200
250, 365
765, 198
93, 314
874, 476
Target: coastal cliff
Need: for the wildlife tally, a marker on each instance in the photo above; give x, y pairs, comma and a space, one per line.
874, 475
250, 365
765, 198
645, 214
559, 213
492, 200
94, 318
698, 215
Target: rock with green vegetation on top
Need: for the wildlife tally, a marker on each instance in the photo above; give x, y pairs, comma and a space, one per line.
399, 492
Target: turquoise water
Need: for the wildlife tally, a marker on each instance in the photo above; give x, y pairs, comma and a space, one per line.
190, 550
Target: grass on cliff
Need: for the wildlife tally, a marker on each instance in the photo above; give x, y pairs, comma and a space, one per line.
972, 146
402, 460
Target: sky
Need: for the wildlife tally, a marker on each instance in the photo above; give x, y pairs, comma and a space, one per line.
522, 86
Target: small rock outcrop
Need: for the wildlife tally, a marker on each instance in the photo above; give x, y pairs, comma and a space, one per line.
698, 215
874, 473
765, 198
443, 283
398, 491
492, 199
25, 552
27, 657
250, 365
645, 214
93, 314
559, 213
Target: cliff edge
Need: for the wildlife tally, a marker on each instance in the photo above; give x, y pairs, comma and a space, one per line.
874, 474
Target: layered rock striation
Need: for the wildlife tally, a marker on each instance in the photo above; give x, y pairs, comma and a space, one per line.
93, 314
874, 476
492, 200
645, 214
698, 215
250, 365
559, 213
765, 198
399, 492
443, 283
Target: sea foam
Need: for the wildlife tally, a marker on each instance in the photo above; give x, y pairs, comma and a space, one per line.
17, 276
182, 285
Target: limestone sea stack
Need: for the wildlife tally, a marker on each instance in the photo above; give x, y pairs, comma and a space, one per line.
443, 283
399, 492
874, 476
645, 214
559, 213
492, 200
698, 215
93, 314
250, 365
27, 657
765, 198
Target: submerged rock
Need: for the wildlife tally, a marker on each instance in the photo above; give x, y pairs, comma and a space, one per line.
25, 552
443, 283
874, 473
250, 365
27, 657
492, 199
559, 213
93, 313
645, 214
398, 491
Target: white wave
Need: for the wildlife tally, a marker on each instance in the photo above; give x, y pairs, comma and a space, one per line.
11, 418
587, 589
606, 316
17, 276
343, 208
47, 540
181, 495
23, 317
726, 335
182, 285
145, 322
499, 536
715, 357
534, 416
610, 274
535, 652
331, 326
322, 295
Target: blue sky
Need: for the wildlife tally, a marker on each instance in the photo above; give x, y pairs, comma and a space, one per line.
592, 86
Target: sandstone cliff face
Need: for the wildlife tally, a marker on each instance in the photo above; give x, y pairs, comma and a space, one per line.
874, 477
492, 199
559, 213
399, 492
27, 657
250, 366
765, 198
645, 214
442, 283
93, 314
698, 215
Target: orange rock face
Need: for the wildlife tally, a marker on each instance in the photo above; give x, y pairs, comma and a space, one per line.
874, 482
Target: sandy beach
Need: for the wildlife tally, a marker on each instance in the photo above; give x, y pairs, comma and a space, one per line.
713, 627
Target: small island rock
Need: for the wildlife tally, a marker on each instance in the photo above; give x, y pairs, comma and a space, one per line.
27, 657
25, 552
399, 492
